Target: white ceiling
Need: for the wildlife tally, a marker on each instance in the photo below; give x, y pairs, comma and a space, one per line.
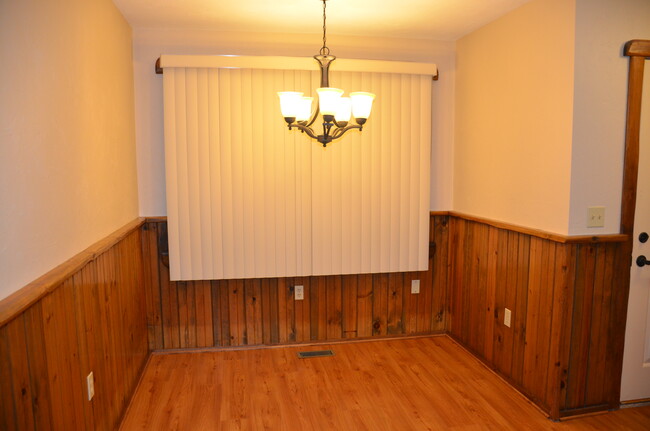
415, 19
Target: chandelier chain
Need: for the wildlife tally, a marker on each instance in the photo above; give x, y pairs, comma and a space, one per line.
324, 50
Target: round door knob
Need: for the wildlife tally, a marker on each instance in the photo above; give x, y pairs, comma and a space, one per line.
643, 237
642, 261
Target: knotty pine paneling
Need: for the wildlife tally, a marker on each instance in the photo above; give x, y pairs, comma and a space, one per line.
195, 314
91, 320
560, 295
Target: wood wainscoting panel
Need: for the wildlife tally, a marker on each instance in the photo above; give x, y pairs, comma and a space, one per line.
560, 296
214, 313
591, 362
91, 320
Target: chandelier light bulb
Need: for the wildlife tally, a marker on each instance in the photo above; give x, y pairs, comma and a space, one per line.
361, 104
328, 99
304, 108
343, 110
290, 103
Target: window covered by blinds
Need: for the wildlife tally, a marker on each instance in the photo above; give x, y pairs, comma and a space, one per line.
246, 198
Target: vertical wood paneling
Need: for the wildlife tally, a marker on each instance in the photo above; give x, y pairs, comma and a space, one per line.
92, 320
457, 238
349, 284
621, 255
19, 377
318, 308
560, 295
303, 323
491, 289
521, 307
364, 306
501, 336
83, 286
38, 367
394, 323
8, 420
334, 308
379, 304
435, 278
410, 309
580, 336
63, 359
561, 329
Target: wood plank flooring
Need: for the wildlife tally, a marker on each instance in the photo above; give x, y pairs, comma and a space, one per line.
410, 384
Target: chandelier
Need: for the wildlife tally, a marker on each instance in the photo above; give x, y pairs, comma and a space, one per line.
336, 110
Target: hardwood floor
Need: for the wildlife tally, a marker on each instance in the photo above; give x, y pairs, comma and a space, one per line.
411, 384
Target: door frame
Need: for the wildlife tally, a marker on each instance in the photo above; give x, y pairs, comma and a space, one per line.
638, 51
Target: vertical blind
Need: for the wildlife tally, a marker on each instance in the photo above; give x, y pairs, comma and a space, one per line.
246, 198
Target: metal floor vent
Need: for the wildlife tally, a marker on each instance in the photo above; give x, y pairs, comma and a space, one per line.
315, 354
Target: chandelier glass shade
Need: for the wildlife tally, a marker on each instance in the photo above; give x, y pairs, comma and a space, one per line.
336, 109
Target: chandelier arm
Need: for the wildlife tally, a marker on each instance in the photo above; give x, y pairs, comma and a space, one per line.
314, 116
340, 132
308, 130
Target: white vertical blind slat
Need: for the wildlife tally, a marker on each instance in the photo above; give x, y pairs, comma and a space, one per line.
248, 174
184, 234
383, 187
226, 162
192, 170
247, 198
215, 194
169, 112
203, 174
426, 120
238, 185
256, 120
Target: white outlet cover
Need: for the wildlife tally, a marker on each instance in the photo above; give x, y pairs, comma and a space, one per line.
299, 293
507, 315
90, 381
596, 217
415, 286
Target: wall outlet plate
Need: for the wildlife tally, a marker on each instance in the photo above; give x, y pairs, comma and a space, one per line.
596, 217
90, 382
507, 315
299, 293
415, 286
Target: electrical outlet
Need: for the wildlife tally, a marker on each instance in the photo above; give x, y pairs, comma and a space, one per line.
415, 286
596, 217
506, 317
90, 380
299, 292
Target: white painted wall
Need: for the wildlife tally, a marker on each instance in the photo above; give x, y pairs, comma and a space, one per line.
602, 28
67, 152
514, 107
149, 44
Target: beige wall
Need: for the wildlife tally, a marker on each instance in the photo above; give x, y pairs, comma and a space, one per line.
514, 107
602, 28
149, 44
67, 135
